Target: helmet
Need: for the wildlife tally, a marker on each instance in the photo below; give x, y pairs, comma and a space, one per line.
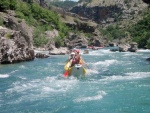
72, 53
78, 51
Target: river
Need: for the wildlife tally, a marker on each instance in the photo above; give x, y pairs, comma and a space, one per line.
116, 82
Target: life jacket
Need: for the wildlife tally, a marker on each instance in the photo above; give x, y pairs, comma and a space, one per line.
76, 61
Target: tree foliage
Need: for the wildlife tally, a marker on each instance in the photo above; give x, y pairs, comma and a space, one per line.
141, 31
8, 4
113, 32
42, 19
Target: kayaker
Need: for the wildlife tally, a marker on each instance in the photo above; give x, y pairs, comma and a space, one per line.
76, 59
72, 55
79, 59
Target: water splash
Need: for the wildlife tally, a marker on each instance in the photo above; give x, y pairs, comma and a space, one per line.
4, 75
99, 96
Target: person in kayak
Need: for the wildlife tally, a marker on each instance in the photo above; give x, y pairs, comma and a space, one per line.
76, 59
72, 55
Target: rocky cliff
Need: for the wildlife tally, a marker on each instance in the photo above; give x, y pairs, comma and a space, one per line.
16, 42
109, 11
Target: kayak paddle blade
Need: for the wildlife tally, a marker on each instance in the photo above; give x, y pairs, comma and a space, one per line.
66, 74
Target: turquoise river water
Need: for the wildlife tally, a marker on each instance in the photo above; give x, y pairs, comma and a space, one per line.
115, 83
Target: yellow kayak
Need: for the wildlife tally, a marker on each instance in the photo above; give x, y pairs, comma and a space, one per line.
77, 70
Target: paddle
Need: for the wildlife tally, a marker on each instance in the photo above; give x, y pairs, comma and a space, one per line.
66, 74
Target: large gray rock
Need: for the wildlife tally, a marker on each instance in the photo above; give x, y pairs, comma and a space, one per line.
76, 40
13, 47
123, 47
58, 51
41, 55
134, 47
11, 22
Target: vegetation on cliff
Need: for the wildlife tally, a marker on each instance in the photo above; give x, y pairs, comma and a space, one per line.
139, 32
42, 19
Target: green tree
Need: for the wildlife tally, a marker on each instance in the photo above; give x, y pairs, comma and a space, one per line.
8, 4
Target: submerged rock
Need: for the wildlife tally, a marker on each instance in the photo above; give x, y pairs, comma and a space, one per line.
86, 52
148, 59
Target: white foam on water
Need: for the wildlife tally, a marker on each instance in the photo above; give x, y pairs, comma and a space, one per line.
138, 75
22, 67
143, 50
99, 96
127, 76
100, 52
40, 88
92, 71
4, 75
127, 54
105, 63
61, 63
8, 74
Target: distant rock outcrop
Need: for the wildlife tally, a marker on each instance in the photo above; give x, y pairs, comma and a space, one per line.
76, 40
133, 47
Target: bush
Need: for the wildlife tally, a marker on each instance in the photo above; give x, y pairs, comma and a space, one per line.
113, 32
8, 4
42, 19
141, 31
39, 39
58, 42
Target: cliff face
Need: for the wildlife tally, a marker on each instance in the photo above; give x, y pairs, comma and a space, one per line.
16, 42
109, 11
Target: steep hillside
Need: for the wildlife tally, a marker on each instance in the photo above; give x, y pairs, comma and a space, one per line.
109, 11
120, 21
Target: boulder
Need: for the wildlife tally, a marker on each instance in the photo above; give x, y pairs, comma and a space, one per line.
133, 47
11, 22
123, 47
114, 49
41, 55
59, 51
148, 59
13, 47
76, 40
96, 41
86, 52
